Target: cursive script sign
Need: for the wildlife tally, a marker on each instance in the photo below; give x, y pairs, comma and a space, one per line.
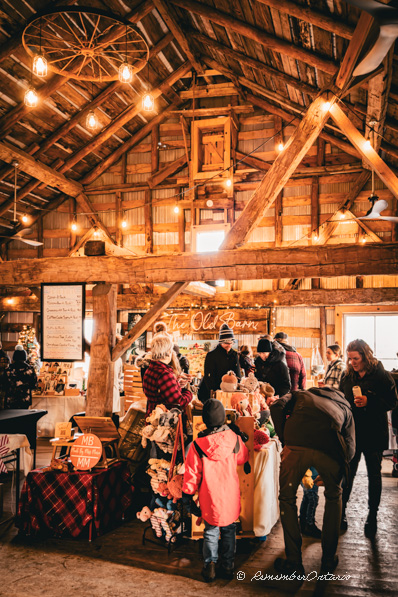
62, 312
241, 321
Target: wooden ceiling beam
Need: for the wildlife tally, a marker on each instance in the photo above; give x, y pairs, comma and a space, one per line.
259, 35
168, 170
354, 50
280, 172
312, 16
239, 264
149, 318
206, 41
245, 300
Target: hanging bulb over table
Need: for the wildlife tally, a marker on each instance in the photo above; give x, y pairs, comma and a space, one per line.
31, 98
40, 66
91, 121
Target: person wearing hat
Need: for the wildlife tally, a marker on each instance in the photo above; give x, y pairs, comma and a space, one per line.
4, 362
218, 362
295, 363
210, 469
271, 366
19, 379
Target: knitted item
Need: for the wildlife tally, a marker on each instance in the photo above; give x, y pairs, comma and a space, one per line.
261, 438
225, 333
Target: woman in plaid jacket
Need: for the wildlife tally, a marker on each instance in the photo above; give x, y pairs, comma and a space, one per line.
335, 368
160, 384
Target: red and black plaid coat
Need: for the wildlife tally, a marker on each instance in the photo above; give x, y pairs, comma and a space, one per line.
160, 386
295, 363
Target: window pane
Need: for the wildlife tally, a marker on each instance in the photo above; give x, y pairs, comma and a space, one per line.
209, 240
360, 326
387, 338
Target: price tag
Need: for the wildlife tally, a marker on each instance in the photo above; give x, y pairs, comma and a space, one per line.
86, 452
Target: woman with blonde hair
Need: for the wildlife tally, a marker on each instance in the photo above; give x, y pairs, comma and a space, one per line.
371, 392
160, 383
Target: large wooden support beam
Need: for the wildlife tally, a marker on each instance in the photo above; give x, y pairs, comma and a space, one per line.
9, 154
259, 35
354, 50
280, 172
149, 318
166, 171
240, 264
101, 371
368, 154
245, 300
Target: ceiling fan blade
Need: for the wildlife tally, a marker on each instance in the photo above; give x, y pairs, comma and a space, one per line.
387, 36
370, 6
34, 243
389, 218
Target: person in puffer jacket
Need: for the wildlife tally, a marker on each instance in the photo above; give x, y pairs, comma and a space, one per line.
211, 469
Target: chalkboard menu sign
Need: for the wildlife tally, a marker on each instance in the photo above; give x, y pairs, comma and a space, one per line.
62, 317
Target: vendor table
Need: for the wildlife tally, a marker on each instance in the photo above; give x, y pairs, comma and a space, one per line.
68, 504
23, 421
266, 487
59, 409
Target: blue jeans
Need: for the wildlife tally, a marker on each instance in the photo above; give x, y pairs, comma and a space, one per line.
228, 543
310, 501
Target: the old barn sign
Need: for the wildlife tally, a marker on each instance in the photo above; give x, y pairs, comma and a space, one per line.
242, 321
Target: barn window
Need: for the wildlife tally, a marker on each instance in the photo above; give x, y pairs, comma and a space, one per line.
207, 239
379, 330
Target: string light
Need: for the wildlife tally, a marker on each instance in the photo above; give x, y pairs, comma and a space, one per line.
363, 240
148, 102
124, 222
228, 182
74, 224
25, 219
96, 232
326, 106
315, 237
342, 216
367, 145
125, 70
281, 147
91, 121
31, 99
176, 209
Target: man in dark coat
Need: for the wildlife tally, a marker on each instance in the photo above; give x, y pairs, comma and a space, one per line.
271, 366
316, 428
377, 394
218, 362
295, 363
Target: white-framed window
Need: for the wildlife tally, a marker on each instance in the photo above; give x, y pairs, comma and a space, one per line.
379, 330
208, 238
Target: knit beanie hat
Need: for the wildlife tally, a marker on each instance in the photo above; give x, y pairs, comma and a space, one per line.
281, 336
264, 345
19, 356
225, 333
213, 414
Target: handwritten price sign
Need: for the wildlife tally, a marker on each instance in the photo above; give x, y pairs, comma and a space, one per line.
86, 452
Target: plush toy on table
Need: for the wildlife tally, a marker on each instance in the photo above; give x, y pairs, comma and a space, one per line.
229, 382
268, 392
261, 439
240, 402
250, 383
145, 514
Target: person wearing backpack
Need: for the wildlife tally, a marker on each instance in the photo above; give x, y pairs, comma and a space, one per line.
316, 428
211, 469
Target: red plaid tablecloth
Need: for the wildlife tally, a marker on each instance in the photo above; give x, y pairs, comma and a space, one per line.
65, 504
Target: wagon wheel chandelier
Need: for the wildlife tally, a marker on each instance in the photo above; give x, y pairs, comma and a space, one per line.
85, 43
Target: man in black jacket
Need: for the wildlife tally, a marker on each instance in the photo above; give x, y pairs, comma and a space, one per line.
316, 428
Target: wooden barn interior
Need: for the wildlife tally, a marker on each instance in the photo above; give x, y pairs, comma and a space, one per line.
270, 124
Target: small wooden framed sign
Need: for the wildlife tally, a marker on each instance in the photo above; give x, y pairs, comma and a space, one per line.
62, 316
86, 452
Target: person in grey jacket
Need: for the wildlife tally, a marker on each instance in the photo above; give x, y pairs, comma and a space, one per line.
316, 428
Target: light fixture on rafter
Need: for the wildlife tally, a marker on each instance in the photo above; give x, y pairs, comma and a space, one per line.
148, 102
31, 99
124, 221
74, 224
125, 70
91, 121
39, 62
25, 219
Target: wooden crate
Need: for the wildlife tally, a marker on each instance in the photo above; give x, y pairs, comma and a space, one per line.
132, 385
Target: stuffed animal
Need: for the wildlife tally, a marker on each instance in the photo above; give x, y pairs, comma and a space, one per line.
250, 383
229, 382
169, 418
145, 514
268, 392
154, 417
261, 438
307, 480
240, 402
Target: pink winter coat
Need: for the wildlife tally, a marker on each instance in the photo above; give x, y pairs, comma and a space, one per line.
216, 476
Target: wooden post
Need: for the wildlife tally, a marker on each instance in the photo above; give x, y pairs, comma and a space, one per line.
148, 216
72, 213
322, 330
40, 237
181, 226
119, 217
100, 375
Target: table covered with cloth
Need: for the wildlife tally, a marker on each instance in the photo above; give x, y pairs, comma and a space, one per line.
266, 487
68, 504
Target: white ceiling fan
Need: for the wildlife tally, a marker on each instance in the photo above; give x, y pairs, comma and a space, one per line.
20, 236
21, 233
386, 17
375, 212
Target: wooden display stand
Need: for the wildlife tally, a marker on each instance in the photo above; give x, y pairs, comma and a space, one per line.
246, 482
132, 385
104, 428
225, 397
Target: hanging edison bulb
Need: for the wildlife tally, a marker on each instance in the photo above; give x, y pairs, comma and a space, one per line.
176, 209
91, 121
40, 66
228, 182
125, 73
74, 224
148, 102
31, 99
25, 219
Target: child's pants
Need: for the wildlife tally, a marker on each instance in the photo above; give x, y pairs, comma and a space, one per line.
310, 502
228, 544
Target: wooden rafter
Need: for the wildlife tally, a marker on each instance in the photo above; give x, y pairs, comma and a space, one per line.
149, 318
240, 264
166, 171
354, 50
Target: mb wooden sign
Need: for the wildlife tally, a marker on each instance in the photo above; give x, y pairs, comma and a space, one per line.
86, 452
242, 321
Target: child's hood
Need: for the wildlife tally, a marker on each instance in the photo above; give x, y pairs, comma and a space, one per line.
218, 446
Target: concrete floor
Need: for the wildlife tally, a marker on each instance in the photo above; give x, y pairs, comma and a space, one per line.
117, 564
